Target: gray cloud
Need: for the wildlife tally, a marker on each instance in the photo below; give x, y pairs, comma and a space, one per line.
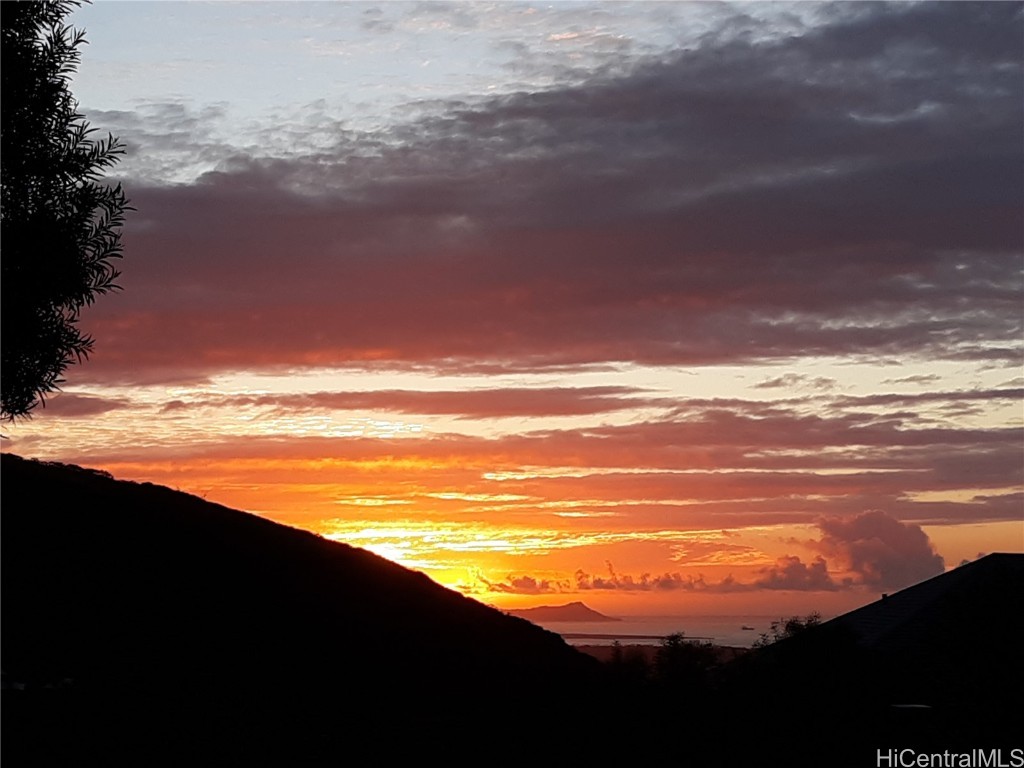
848, 191
791, 573
465, 404
797, 380
72, 405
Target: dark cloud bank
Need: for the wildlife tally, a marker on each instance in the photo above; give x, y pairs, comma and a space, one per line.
852, 191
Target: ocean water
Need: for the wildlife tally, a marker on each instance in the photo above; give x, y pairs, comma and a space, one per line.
648, 630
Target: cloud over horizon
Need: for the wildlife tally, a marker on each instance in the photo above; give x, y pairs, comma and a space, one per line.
875, 552
883, 552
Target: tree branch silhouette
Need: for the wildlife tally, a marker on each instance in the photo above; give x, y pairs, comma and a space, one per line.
61, 226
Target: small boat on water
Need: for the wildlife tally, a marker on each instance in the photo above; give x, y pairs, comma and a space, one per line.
746, 628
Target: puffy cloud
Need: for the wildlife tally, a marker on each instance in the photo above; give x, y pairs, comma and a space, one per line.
643, 583
792, 573
788, 574
525, 585
883, 552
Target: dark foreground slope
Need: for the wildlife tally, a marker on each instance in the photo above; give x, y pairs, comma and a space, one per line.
936, 667
142, 621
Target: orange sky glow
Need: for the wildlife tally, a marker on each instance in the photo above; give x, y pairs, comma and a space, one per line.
678, 505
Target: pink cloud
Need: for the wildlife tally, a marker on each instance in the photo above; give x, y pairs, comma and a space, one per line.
72, 405
466, 404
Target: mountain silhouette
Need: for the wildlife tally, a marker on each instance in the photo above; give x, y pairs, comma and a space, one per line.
135, 615
575, 611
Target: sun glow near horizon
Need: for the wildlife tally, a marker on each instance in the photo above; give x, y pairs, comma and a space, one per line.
701, 499
679, 501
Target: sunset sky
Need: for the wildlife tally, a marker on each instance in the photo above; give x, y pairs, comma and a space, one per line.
666, 307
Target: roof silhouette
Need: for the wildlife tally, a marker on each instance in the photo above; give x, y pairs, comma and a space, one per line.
981, 597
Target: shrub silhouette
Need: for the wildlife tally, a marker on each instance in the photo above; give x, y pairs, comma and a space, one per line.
684, 664
60, 224
782, 629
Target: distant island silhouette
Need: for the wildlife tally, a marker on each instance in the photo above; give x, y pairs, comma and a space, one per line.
575, 611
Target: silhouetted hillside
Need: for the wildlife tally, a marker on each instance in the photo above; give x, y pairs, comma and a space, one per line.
134, 614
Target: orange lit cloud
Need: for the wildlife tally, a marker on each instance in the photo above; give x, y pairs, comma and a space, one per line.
746, 463
875, 549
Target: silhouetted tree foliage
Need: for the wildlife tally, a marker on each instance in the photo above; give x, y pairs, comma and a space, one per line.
61, 227
627, 666
786, 628
685, 665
